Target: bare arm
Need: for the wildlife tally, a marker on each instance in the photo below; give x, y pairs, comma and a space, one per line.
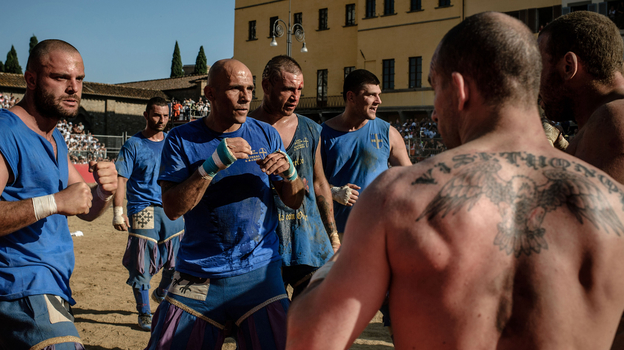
324, 200
179, 198
398, 152
118, 203
74, 200
331, 314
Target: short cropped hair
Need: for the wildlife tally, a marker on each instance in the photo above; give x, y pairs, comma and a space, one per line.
273, 69
155, 101
594, 38
356, 80
499, 53
43, 48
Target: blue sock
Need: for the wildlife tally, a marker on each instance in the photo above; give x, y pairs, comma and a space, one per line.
142, 300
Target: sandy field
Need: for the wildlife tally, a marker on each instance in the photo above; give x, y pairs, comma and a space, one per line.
105, 311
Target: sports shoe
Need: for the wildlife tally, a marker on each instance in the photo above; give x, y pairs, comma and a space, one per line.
145, 322
156, 297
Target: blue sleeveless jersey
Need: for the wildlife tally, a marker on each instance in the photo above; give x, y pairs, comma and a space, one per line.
139, 162
37, 259
355, 157
231, 231
303, 239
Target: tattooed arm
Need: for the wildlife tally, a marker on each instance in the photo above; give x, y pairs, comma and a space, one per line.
324, 200
331, 314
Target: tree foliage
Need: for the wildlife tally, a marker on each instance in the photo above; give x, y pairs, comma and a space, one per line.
201, 64
33, 42
11, 65
176, 63
1, 67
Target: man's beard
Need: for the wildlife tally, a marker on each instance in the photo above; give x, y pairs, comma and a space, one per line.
48, 107
561, 106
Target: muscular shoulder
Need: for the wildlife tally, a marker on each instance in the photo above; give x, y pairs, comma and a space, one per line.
608, 120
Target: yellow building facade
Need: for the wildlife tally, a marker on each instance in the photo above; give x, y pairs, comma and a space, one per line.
395, 39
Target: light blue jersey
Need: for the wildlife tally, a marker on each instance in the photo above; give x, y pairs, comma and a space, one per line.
355, 157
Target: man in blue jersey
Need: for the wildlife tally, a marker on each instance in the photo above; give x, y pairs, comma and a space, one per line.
39, 188
153, 239
356, 146
308, 235
218, 172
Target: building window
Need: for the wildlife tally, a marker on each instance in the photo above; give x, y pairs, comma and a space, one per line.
253, 93
272, 22
444, 3
322, 19
321, 85
388, 74
415, 72
350, 15
415, 5
388, 7
298, 18
348, 70
252, 30
370, 8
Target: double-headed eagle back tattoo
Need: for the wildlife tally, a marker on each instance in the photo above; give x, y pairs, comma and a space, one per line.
524, 200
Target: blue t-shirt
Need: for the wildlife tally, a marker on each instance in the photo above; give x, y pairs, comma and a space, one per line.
37, 259
231, 230
139, 162
303, 238
355, 157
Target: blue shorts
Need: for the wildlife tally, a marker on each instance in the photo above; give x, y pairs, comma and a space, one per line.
153, 243
199, 313
38, 322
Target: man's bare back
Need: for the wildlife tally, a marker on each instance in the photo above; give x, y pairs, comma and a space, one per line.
503, 250
502, 242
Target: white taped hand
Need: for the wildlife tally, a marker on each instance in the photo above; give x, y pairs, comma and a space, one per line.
341, 194
118, 218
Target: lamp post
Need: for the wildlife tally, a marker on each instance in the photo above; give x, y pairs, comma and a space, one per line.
297, 29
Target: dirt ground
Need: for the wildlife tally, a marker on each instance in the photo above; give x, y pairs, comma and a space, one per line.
105, 312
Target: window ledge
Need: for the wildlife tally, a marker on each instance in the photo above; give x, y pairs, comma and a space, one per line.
322, 30
349, 25
370, 17
443, 7
254, 39
388, 15
419, 10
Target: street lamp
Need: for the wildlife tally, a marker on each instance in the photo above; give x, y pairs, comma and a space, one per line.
297, 29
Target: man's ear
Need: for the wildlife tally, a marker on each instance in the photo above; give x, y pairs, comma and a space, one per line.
461, 90
350, 96
209, 93
266, 85
31, 80
570, 65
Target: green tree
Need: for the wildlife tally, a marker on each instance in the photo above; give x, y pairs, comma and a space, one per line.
201, 64
33, 42
11, 65
176, 63
1, 67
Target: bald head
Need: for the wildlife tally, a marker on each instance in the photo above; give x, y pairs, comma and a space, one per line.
40, 52
223, 70
497, 52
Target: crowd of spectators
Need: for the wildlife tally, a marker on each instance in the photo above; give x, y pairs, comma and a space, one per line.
7, 100
83, 147
422, 139
187, 109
